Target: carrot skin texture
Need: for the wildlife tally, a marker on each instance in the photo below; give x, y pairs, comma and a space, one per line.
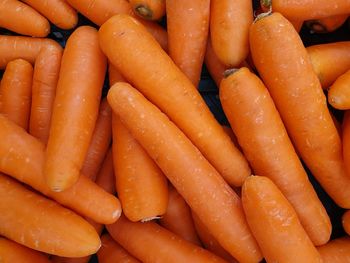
299, 98
215, 67
336, 251
22, 157
339, 92
173, 93
346, 141
114, 75
148, 9
346, 222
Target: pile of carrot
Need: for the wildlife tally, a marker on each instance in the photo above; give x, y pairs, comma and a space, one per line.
107, 146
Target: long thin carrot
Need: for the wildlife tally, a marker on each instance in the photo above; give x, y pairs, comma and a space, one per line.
339, 92
346, 141
204, 190
346, 222
336, 251
265, 142
21, 18
149, 9
275, 224
297, 93
59, 12
42, 224
188, 29
327, 24
75, 108
173, 93
16, 90
45, 77
13, 252
22, 157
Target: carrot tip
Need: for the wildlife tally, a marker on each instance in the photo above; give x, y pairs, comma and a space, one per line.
263, 15
150, 219
229, 72
316, 27
144, 11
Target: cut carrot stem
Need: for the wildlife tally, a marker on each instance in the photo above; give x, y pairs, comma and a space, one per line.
173, 93
275, 224
336, 251
149, 9
16, 90
297, 93
327, 24
346, 141
339, 92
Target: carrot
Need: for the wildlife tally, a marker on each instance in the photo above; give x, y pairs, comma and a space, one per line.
42, 224
22, 157
114, 75
150, 242
265, 142
229, 23
178, 218
57, 11
75, 108
111, 252
45, 77
275, 224
100, 141
149, 9
299, 98
339, 92
346, 141
141, 185
320, 56
232, 136
188, 29
336, 251
16, 90
327, 24
173, 93
346, 222
202, 187
13, 252
21, 18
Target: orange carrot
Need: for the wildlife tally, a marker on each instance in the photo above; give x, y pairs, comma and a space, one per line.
75, 108
178, 218
297, 93
111, 252
265, 142
141, 185
114, 75
149, 9
346, 222
57, 11
327, 24
229, 27
150, 242
204, 190
173, 93
346, 141
100, 141
188, 29
339, 92
16, 90
45, 77
42, 224
275, 224
13, 252
336, 251
21, 18
22, 157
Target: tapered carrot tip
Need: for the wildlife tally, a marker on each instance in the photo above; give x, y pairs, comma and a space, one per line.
58, 180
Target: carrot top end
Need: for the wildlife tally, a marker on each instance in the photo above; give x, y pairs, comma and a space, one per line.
229, 72
144, 11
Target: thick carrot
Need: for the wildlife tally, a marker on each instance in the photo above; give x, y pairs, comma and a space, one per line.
59, 12
275, 224
149, 9
188, 29
22, 157
346, 141
173, 93
141, 186
229, 28
42, 224
111, 252
297, 93
265, 142
178, 218
336, 251
75, 108
339, 92
204, 190
13, 252
45, 77
21, 18
16, 90
327, 24
346, 222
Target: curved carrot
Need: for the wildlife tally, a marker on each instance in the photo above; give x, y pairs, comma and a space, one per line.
346, 222
178, 218
45, 77
149, 9
229, 27
275, 224
188, 29
42, 224
204, 190
339, 92
22, 157
297, 93
16, 90
327, 24
336, 251
57, 11
173, 93
75, 108
346, 141
265, 142
21, 18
